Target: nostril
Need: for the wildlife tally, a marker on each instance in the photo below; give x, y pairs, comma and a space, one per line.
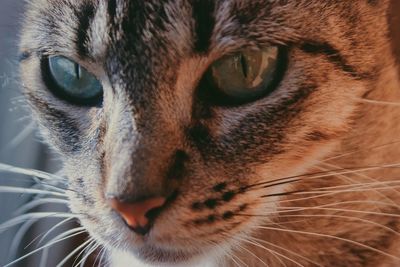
153, 213
138, 215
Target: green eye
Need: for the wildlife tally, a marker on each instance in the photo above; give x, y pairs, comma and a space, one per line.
71, 82
245, 76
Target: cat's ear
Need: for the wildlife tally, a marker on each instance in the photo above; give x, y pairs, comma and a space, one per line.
394, 27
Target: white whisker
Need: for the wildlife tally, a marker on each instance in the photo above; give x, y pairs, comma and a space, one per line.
378, 102
376, 203
321, 194
251, 253
38, 202
284, 210
270, 251
349, 153
48, 186
352, 190
369, 178
21, 136
331, 237
33, 216
233, 257
83, 251
70, 255
99, 257
356, 211
82, 262
19, 235
76, 231
53, 228
248, 251
21, 190
360, 185
342, 217
310, 177
29, 172
103, 254
286, 250
39, 235
44, 257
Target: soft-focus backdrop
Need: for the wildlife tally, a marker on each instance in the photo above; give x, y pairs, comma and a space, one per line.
20, 146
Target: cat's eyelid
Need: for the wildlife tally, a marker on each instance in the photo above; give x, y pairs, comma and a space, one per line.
24, 55
40, 54
257, 47
49, 52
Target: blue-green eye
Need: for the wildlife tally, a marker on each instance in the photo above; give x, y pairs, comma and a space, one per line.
71, 82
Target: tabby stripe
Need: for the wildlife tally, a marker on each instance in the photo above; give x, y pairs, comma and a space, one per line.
112, 10
394, 28
203, 14
333, 56
85, 15
66, 127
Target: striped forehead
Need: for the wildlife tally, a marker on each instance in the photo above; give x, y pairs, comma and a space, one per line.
125, 34
90, 27
181, 25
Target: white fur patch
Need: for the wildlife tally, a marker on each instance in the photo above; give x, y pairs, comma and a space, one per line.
121, 259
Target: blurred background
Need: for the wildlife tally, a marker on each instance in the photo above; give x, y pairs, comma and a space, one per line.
20, 146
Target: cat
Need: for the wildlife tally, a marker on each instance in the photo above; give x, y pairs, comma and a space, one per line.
223, 132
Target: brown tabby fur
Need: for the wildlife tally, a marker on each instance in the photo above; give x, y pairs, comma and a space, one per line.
337, 108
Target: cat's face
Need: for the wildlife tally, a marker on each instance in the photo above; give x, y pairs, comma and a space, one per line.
161, 128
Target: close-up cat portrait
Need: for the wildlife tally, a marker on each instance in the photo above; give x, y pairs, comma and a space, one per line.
202, 133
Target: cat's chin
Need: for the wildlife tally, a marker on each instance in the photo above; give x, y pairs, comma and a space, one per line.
150, 256
158, 256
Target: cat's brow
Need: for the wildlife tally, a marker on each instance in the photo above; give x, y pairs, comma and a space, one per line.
84, 16
204, 17
111, 9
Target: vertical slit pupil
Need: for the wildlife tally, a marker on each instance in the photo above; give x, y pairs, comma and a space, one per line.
243, 62
78, 71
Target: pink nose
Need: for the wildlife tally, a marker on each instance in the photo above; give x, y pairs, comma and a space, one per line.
136, 215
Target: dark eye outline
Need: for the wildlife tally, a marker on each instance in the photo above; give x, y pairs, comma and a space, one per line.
60, 93
209, 92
